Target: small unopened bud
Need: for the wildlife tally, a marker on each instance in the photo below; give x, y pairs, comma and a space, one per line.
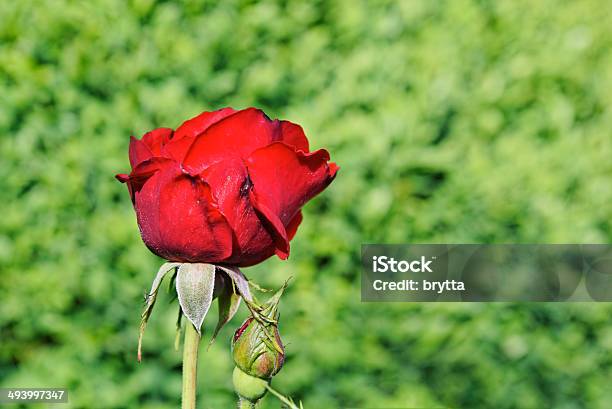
256, 346
257, 349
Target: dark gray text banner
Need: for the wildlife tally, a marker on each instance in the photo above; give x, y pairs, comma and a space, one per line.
486, 272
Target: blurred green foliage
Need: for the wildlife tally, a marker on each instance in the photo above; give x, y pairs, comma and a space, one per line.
452, 121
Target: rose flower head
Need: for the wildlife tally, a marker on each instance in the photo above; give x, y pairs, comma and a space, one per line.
225, 187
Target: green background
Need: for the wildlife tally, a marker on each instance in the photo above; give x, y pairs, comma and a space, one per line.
452, 121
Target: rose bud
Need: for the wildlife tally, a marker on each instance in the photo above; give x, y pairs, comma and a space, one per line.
256, 346
224, 187
258, 351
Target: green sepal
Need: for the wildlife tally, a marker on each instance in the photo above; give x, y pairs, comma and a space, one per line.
150, 299
229, 302
195, 285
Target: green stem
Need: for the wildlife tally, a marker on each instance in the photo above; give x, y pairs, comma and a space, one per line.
190, 366
283, 398
245, 404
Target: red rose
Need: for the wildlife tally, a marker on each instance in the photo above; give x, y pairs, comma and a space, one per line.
225, 187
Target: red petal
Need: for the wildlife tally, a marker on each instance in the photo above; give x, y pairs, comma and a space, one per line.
333, 169
281, 240
293, 225
122, 177
179, 221
230, 186
198, 124
156, 139
283, 181
145, 170
237, 135
150, 145
138, 152
293, 135
141, 173
149, 166
187, 132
